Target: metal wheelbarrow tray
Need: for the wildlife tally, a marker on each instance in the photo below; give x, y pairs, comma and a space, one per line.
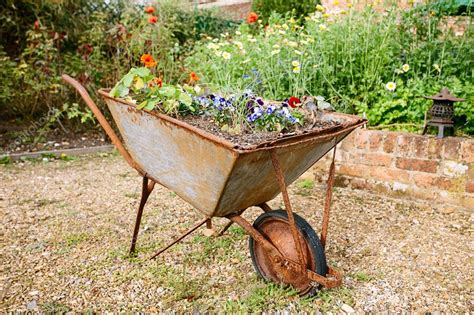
221, 179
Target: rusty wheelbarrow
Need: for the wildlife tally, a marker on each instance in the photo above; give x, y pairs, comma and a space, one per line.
221, 179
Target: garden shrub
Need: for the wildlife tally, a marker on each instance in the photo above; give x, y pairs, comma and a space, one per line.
298, 8
96, 41
379, 64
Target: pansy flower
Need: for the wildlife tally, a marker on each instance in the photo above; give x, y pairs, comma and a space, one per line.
252, 17
152, 19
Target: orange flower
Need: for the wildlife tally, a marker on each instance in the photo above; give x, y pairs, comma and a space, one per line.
153, 19
149, 9
148, 61
252, 17
158, 82
194, 77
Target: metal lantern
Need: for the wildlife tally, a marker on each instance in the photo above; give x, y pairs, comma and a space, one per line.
442, 111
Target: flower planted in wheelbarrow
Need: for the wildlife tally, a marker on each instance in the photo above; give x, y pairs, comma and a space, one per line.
233, 113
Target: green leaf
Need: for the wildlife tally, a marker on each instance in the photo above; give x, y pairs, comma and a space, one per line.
128, 79
151, 104
167, 91
119, 91
185, 99
142, 105
142, 72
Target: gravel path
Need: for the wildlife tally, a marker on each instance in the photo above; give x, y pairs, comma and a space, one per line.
66, 227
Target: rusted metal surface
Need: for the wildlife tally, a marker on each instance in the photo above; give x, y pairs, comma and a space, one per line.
265, 207
289, 210
290, 268
147, 188
194, 228
214, 175
103, 122
327, 201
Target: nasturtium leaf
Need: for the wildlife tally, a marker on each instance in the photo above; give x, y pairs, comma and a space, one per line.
151, 104
185, 99
122, 91
128, 79
139, 84
142, 72
168, 91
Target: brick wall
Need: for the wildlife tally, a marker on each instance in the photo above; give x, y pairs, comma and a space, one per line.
406, 165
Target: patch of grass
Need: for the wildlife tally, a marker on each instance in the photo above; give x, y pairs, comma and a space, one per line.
74, 239
270, 296
305, 187
54, 307
330, 297
44, 202
133, 195
4, 160
362, 276
306, 183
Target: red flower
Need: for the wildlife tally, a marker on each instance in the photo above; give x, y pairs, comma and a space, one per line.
194, 77
149, 9
37, 25
148, 61
252, 17
153, 19
294, 102
158, 82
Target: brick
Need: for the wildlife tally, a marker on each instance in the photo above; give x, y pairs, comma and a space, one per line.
354, 170
452, 148
468, 151
428, 166
424, 180
375, 140
404, 145
374, 159
389, 142
348, 144
469, 187
361, 139
468, 202
420, 147
435, 146
389, 174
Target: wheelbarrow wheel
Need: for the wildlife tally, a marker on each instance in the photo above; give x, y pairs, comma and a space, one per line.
274, 226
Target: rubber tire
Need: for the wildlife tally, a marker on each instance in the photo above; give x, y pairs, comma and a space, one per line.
312, 241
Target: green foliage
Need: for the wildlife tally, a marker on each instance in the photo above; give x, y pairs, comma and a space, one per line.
297, 7
349, 59
94, 41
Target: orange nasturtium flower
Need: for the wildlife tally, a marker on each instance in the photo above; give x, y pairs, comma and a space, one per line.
194, 77
252, 17
153, 19
148, 61
149, 9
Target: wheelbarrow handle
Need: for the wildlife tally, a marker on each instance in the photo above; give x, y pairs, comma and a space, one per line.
103, 122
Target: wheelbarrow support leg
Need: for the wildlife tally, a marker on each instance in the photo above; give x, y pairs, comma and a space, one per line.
327, 202
147, 188
289, 210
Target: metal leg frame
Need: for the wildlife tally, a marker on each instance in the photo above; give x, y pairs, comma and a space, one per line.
147, 188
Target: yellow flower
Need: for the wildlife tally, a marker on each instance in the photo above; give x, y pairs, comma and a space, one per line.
226, 55
298, 52
406, 67
282, 32
326, 15
335, 2
320, 8
274, 52
349, 5
391, 86
296, 70
276, 46
292, 44
239, 44
295, 63
285, 26
322, 27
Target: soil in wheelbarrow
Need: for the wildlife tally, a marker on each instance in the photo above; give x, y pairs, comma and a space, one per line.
251, 137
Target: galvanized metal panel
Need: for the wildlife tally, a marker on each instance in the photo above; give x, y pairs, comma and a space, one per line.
193, 167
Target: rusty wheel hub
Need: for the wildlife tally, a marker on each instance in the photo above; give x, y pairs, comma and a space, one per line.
277, 231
